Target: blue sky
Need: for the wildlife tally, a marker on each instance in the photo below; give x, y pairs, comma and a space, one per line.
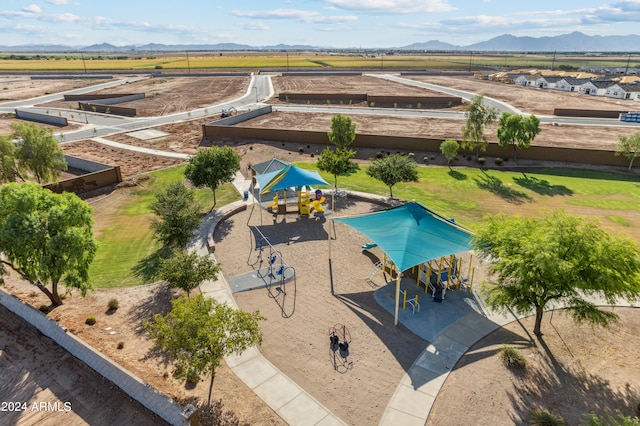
331, 23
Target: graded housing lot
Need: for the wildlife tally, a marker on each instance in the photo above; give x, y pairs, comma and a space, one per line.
299, 345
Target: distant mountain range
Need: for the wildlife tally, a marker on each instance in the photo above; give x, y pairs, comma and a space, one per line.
573, 42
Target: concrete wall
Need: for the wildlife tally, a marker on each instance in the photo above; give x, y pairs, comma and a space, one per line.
323, 96
118, 97
386, 142
86, 165
137, 389
116, 110
379, 99
320, 73
89, 182
71, 77
571, 112
41, 118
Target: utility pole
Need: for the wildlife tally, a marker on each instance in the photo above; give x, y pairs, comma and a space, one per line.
287, 61
553, 61
188, 62
628, 61
470, 57
84, 65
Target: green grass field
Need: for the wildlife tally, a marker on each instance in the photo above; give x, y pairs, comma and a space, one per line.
467, 194
125, 240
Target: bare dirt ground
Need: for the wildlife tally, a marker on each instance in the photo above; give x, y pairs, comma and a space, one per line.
551, 135
18, 88
573, 371
168, 95
36, 370
530, 99
6, 121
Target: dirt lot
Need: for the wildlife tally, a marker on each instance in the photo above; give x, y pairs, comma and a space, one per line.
24, 88
33, 369
530, 99
168, 95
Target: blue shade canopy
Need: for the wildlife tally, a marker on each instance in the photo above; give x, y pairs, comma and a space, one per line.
290, 176
411, 234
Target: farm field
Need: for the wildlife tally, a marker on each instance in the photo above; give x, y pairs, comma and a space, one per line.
382, 60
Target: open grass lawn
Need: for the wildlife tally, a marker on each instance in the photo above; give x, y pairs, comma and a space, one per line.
467, 194
125, 240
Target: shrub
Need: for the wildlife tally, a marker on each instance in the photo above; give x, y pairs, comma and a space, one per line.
411, 155
395, 105
158, 67
498, 161
328, 101
44, 309
618, 420
512, 358
481, 160
419, 105
350, 102
113, 304
425, 158
301, 150
433, 157
90, 320
372, 104
379, 154
542, 417
120, 345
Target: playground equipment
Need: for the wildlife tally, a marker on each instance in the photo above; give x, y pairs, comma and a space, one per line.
339, 340
444, 274
275, 274
413, 302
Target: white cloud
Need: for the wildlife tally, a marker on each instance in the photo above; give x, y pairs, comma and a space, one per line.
394, 6
254, 26
306, 16
58, 2
32, 8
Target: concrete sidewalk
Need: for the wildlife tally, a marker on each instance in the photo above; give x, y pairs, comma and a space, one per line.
287, 399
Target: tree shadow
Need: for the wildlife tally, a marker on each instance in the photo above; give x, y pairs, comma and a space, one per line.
589, 393
541, 186
457, 175
147, 268
158, 303
495, 186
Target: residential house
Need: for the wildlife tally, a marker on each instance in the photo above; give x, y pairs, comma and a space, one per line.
570, 84
596, 87
547, 81
624, 91
527, 80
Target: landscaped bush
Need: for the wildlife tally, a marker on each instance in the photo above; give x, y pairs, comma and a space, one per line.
90, 320
113, 304
542, 417
301, 150
481, 160
44, 309
411, 155
425, 158
512, 358
120, 345
498, 161
619, 420
379, 154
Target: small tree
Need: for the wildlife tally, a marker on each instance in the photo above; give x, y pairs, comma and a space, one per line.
559, 258
38, 151
198, 333
187, 271
449, 149
478, 116
629, 147
10, 169
46, 238
343, 131
393, 169
178, 215
517, 131
213, 167
337, 162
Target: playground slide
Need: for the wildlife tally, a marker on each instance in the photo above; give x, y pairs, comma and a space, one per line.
316, 205
274, 204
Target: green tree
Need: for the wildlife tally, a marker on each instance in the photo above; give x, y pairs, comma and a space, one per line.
213, 167
629, 147
337, 162
187, 271
556, 258
46, 238
517, 131
178, 215
393, 169
449, 149
10, 169
478, 116
38, 151
343, 131
198, 333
